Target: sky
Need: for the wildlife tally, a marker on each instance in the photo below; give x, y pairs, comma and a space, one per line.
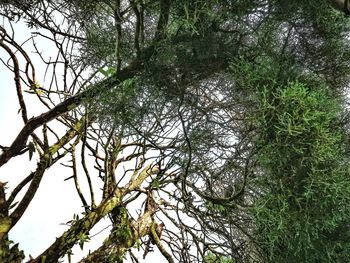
56, 200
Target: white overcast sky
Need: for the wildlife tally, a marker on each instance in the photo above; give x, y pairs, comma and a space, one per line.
56, 201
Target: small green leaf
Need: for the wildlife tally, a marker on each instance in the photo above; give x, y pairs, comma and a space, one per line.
31, 148
35, 85
72, 106
101, 70
108, 72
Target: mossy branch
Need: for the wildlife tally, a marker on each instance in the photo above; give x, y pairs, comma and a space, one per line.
159, 244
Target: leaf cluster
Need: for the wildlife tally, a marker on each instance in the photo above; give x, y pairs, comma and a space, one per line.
305, 187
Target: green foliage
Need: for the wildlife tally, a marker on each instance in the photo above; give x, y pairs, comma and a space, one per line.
31, 150
122, 232
155, 183
211, 258
193, 16
215, 207
99, 46
82, 239
107, 72
288, 61
123, 104
9, 252
303, 212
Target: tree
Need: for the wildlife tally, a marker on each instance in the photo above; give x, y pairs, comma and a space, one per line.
225, 121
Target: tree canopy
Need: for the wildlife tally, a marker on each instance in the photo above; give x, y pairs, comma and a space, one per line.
204, 131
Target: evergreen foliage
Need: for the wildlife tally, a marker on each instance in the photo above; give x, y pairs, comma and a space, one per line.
232, 114
303, 213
